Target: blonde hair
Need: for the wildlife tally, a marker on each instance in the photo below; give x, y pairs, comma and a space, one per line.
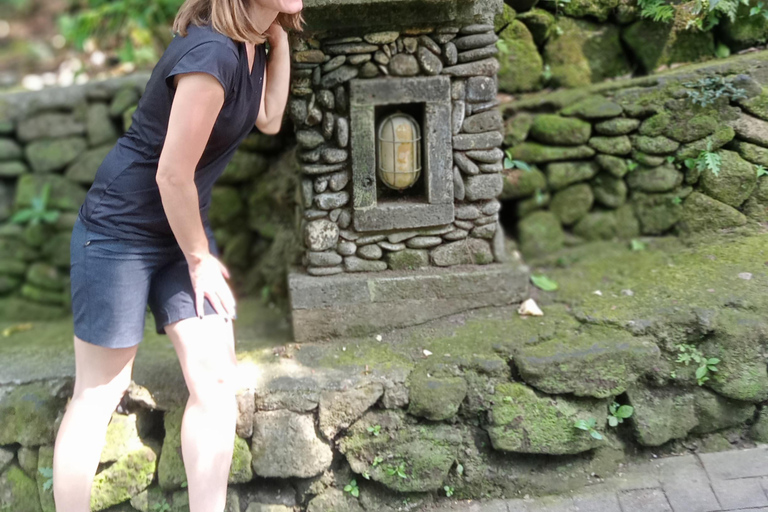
230, 17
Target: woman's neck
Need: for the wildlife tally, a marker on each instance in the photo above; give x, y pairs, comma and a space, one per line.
262, 16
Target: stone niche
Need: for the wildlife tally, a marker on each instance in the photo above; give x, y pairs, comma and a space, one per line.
399, 146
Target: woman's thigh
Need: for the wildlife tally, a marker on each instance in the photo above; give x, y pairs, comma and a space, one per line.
110, 280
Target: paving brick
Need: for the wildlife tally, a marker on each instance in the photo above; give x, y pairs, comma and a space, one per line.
605, 501
644, 500
516, 506
551, 504
686, 485
737, 463
635, 476
740, 493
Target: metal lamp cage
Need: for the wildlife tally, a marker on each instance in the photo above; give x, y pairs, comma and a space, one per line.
394, 137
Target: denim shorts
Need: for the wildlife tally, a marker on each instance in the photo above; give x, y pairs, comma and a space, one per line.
114, 280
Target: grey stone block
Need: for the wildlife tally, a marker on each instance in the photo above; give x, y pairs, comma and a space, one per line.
402, 216
358, 303
644, 500
382, 91
736, 464
740, 493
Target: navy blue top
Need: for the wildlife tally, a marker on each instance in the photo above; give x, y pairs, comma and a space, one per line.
124, 200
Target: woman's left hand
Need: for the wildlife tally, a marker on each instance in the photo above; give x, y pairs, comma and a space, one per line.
276, 34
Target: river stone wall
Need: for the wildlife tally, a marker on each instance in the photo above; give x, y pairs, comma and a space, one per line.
551, 44
622, 159
60, 137
452, 70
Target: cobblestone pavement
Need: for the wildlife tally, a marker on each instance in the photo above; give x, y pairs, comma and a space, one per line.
710, 482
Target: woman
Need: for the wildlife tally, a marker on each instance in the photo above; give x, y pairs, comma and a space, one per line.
142, 238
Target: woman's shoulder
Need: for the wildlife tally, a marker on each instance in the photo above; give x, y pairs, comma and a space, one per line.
200, 34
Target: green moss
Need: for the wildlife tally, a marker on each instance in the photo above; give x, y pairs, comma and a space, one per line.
433, 397
715, 412
125, 478
533, 153
691, 128
598, 362
572, 203
613, 165
745, 31
722, 136
661, 414
593, 107
655, 125
597, 225
517, 128
520, 68
540, 233
655, 179
619, 145
18, 491
584, 53
27, 415
598, 9
609, 190
503, 19
539, 23
658, 44
563, 174
658, 145
557, 130
617, 126
519, 183
758, 105
733, 183
523, 421
703, 213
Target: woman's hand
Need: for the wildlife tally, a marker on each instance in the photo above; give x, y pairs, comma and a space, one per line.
276, 34
207, 276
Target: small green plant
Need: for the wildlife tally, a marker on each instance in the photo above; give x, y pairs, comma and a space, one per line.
374, 430
707, 160
37, 212
677, 200
459, 469
618, 413
543, 283
511, 163
759, 10
448, 490
632, 165
546, 73
366, 475
47, 473
376, 461
706, 91
589, 426
761, 171
560, 4
398, 470
657, 10
163, 506
637, 245
706, 365
352, 488
722, 51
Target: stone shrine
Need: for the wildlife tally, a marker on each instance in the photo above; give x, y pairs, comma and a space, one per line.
394, 105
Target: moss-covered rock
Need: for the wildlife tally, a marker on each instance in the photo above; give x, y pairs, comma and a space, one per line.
519, 183
584, 52
520, 66
609, 190
659, 44
715, 412
619, 145
703, 213
517, 128
613, 165
563, 174
540, 234
756, 207
593, 107
733, 183
599, 362
504, 18
50, 155
226, 206
244, 167
656, 213
435, 397
524, 421
722, 136
738, 340
65, 195
617, 126
688, 128
332, 500
537, 202
596, 9
655, 125
125, 478
339, 409
750, 152
407, 259
572, 203
83, 169
658, 145
745, 31
422, 453
560, 131
661, 414
655, 179
27, 415
596, 225
757, 105
539, 23
18, 492
533, 153
759, 430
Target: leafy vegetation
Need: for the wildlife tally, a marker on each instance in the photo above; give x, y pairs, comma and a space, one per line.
589, 426
38, 211
618, 413
398, 470
511, 163
701, 15
374, 430
138, 30
352, 488
448, 490
542, 282
705, 91
47, 473
706, 365
707, 160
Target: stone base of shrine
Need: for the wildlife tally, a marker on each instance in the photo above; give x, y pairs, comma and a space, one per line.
362, 303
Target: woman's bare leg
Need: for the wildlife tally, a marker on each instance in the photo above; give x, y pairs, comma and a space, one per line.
101, 377
206, 352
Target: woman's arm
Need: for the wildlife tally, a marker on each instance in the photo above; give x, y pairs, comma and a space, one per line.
196, 105
277, 78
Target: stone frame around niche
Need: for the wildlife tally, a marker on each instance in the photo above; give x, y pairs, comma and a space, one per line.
435, 93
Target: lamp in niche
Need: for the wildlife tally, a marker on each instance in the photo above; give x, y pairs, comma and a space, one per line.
398, 140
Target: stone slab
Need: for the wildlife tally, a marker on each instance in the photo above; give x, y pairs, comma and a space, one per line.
402, 215
354, 304
741, 493
644, 500
736, 464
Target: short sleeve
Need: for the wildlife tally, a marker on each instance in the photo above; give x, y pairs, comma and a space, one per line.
211, 57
